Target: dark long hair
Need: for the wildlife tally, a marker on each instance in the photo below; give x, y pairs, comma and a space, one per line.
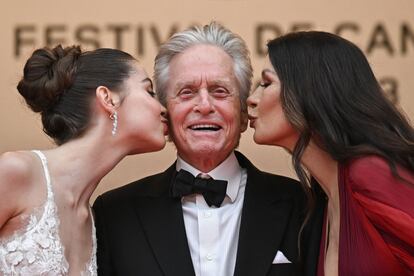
60, 83
330, 94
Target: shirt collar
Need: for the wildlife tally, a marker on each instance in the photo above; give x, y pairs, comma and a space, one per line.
228, 170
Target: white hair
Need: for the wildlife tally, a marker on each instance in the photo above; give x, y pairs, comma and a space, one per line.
211, 34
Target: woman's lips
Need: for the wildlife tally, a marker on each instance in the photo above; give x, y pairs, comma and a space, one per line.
252, 121
165, 125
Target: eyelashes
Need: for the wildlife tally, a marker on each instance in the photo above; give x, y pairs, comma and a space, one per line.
264, 85
152, 93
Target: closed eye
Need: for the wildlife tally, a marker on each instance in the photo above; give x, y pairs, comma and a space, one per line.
264, 85
152, 93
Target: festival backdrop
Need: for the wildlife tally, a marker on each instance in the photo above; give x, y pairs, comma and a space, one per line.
384, 30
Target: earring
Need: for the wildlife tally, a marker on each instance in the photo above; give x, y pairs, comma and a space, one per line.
114, 117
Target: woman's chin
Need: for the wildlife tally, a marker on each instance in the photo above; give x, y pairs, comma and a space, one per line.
260, 140
150, 147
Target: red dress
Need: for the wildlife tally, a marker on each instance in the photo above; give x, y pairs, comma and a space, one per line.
376, 235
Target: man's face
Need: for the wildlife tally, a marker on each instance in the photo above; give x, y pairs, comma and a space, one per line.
203, 104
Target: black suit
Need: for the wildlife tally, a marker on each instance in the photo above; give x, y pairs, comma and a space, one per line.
140, 228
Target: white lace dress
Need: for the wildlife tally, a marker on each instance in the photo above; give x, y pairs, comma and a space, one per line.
37, 250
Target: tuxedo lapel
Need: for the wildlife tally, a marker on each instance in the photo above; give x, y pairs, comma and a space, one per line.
161, 217
264, 220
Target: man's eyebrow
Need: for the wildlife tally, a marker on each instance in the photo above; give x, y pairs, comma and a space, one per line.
187, 83
219, 82
196, 83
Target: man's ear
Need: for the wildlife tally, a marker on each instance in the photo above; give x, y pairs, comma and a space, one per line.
107, 99
244, 121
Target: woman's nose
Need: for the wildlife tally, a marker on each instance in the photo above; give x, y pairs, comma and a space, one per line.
252, 100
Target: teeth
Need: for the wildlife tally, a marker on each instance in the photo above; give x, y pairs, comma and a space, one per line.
205, 127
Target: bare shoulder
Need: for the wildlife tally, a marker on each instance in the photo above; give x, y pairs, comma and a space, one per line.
16, 172
15, 167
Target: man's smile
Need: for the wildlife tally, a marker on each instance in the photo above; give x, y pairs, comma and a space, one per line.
205, 127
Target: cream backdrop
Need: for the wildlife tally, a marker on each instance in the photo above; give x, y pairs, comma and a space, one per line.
383, 29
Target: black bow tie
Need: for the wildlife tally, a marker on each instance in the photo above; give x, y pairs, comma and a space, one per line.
213, 190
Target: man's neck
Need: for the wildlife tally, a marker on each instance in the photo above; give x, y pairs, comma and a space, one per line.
204, 164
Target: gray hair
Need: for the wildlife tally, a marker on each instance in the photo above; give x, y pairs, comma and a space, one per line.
211, 34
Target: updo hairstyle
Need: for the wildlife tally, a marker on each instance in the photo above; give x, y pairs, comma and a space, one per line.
60, 84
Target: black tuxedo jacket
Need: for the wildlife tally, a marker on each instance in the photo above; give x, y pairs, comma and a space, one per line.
140, 228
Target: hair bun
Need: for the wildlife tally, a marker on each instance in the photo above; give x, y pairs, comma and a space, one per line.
47, 74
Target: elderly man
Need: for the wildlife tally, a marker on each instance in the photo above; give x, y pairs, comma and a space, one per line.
212, 213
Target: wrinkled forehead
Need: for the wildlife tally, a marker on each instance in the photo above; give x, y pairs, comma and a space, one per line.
202, 63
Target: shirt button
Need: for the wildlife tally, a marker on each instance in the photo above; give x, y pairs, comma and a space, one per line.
209, 257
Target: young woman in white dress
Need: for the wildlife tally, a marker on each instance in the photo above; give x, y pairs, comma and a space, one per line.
98, 107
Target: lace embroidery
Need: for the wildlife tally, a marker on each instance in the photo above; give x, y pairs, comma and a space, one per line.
38, 250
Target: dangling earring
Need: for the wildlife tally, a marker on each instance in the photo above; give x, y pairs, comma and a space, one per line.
114, 116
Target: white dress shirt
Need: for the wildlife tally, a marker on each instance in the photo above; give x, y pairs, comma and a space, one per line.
212, 232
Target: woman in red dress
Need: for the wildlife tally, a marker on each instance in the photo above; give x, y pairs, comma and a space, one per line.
319, 99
